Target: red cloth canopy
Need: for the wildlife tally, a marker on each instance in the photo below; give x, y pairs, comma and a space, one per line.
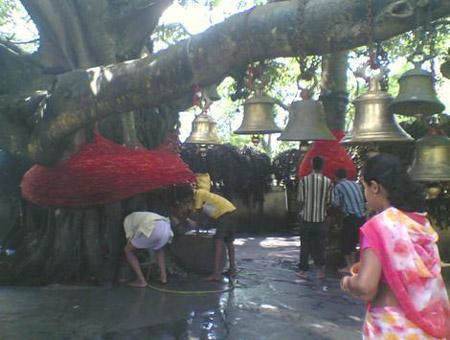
104, 172
334, 155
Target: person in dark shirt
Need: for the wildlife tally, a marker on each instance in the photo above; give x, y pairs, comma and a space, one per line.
348, 197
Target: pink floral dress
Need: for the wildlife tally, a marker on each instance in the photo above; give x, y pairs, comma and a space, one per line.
411, 267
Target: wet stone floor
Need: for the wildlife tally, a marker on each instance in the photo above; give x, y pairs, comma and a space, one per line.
268, 302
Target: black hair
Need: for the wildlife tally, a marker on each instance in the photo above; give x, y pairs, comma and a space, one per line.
403, 192
341, 173
317, 163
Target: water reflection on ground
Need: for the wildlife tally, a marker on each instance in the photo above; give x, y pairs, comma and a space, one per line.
268, 302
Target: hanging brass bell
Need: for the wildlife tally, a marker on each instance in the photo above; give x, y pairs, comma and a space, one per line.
416, 95
373, 122
432, 159
306, 122
203, 131
258, 116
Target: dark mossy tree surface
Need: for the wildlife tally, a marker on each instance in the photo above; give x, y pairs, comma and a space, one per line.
95, 67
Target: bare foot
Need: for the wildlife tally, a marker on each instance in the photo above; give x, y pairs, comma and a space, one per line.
214, 278
138, 284
162, 281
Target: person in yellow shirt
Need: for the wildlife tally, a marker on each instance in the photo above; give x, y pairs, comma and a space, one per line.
220, 210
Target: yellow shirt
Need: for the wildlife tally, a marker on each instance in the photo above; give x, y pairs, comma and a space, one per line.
212, 204
203, 181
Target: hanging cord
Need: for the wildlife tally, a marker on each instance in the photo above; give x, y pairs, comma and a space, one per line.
431, 37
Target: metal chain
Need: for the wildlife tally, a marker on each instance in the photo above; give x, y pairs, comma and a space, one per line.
424, 35
378, 57
302, 4
370, 23
432, 33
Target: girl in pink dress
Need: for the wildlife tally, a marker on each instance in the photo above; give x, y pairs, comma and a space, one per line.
400, 270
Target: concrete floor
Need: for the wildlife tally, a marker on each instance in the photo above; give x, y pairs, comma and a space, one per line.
268, 302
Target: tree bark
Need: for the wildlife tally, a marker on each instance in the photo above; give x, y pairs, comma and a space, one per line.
333, 88
278, 29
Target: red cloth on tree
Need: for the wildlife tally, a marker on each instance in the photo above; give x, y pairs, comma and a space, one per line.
334, 155
104, 172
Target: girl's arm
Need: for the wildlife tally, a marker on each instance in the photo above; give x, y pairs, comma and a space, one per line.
364, 285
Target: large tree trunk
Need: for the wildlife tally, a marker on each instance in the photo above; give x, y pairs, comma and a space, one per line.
62, 245
66, 245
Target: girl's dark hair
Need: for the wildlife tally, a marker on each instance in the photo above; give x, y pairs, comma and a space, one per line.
403, 192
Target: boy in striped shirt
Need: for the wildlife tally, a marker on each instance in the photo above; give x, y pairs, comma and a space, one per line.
314, 195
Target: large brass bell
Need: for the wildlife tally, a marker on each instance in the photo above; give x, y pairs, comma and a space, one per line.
306, 122
432, 159
203, 131
373, 122
258, 116
416, 95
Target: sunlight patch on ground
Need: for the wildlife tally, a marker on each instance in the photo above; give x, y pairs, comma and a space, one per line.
287, 255
268, 307
239, 241
356, 318
316, 325
274, 242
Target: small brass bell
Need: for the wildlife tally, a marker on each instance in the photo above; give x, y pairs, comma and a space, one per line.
203, 131
306, 122
416, 95
432, 159
373, 122
258, 116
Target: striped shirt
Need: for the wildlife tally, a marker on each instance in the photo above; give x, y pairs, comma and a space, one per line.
348, 196
314, 192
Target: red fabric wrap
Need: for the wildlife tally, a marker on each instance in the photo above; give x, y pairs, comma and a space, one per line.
334, 155
104, 172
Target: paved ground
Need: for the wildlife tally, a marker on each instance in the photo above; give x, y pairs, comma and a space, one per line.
268, 302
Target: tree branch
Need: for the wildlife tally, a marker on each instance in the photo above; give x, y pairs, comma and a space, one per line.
134, 25
268, 31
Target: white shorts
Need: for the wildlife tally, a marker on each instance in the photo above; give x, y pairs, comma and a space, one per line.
159, 237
